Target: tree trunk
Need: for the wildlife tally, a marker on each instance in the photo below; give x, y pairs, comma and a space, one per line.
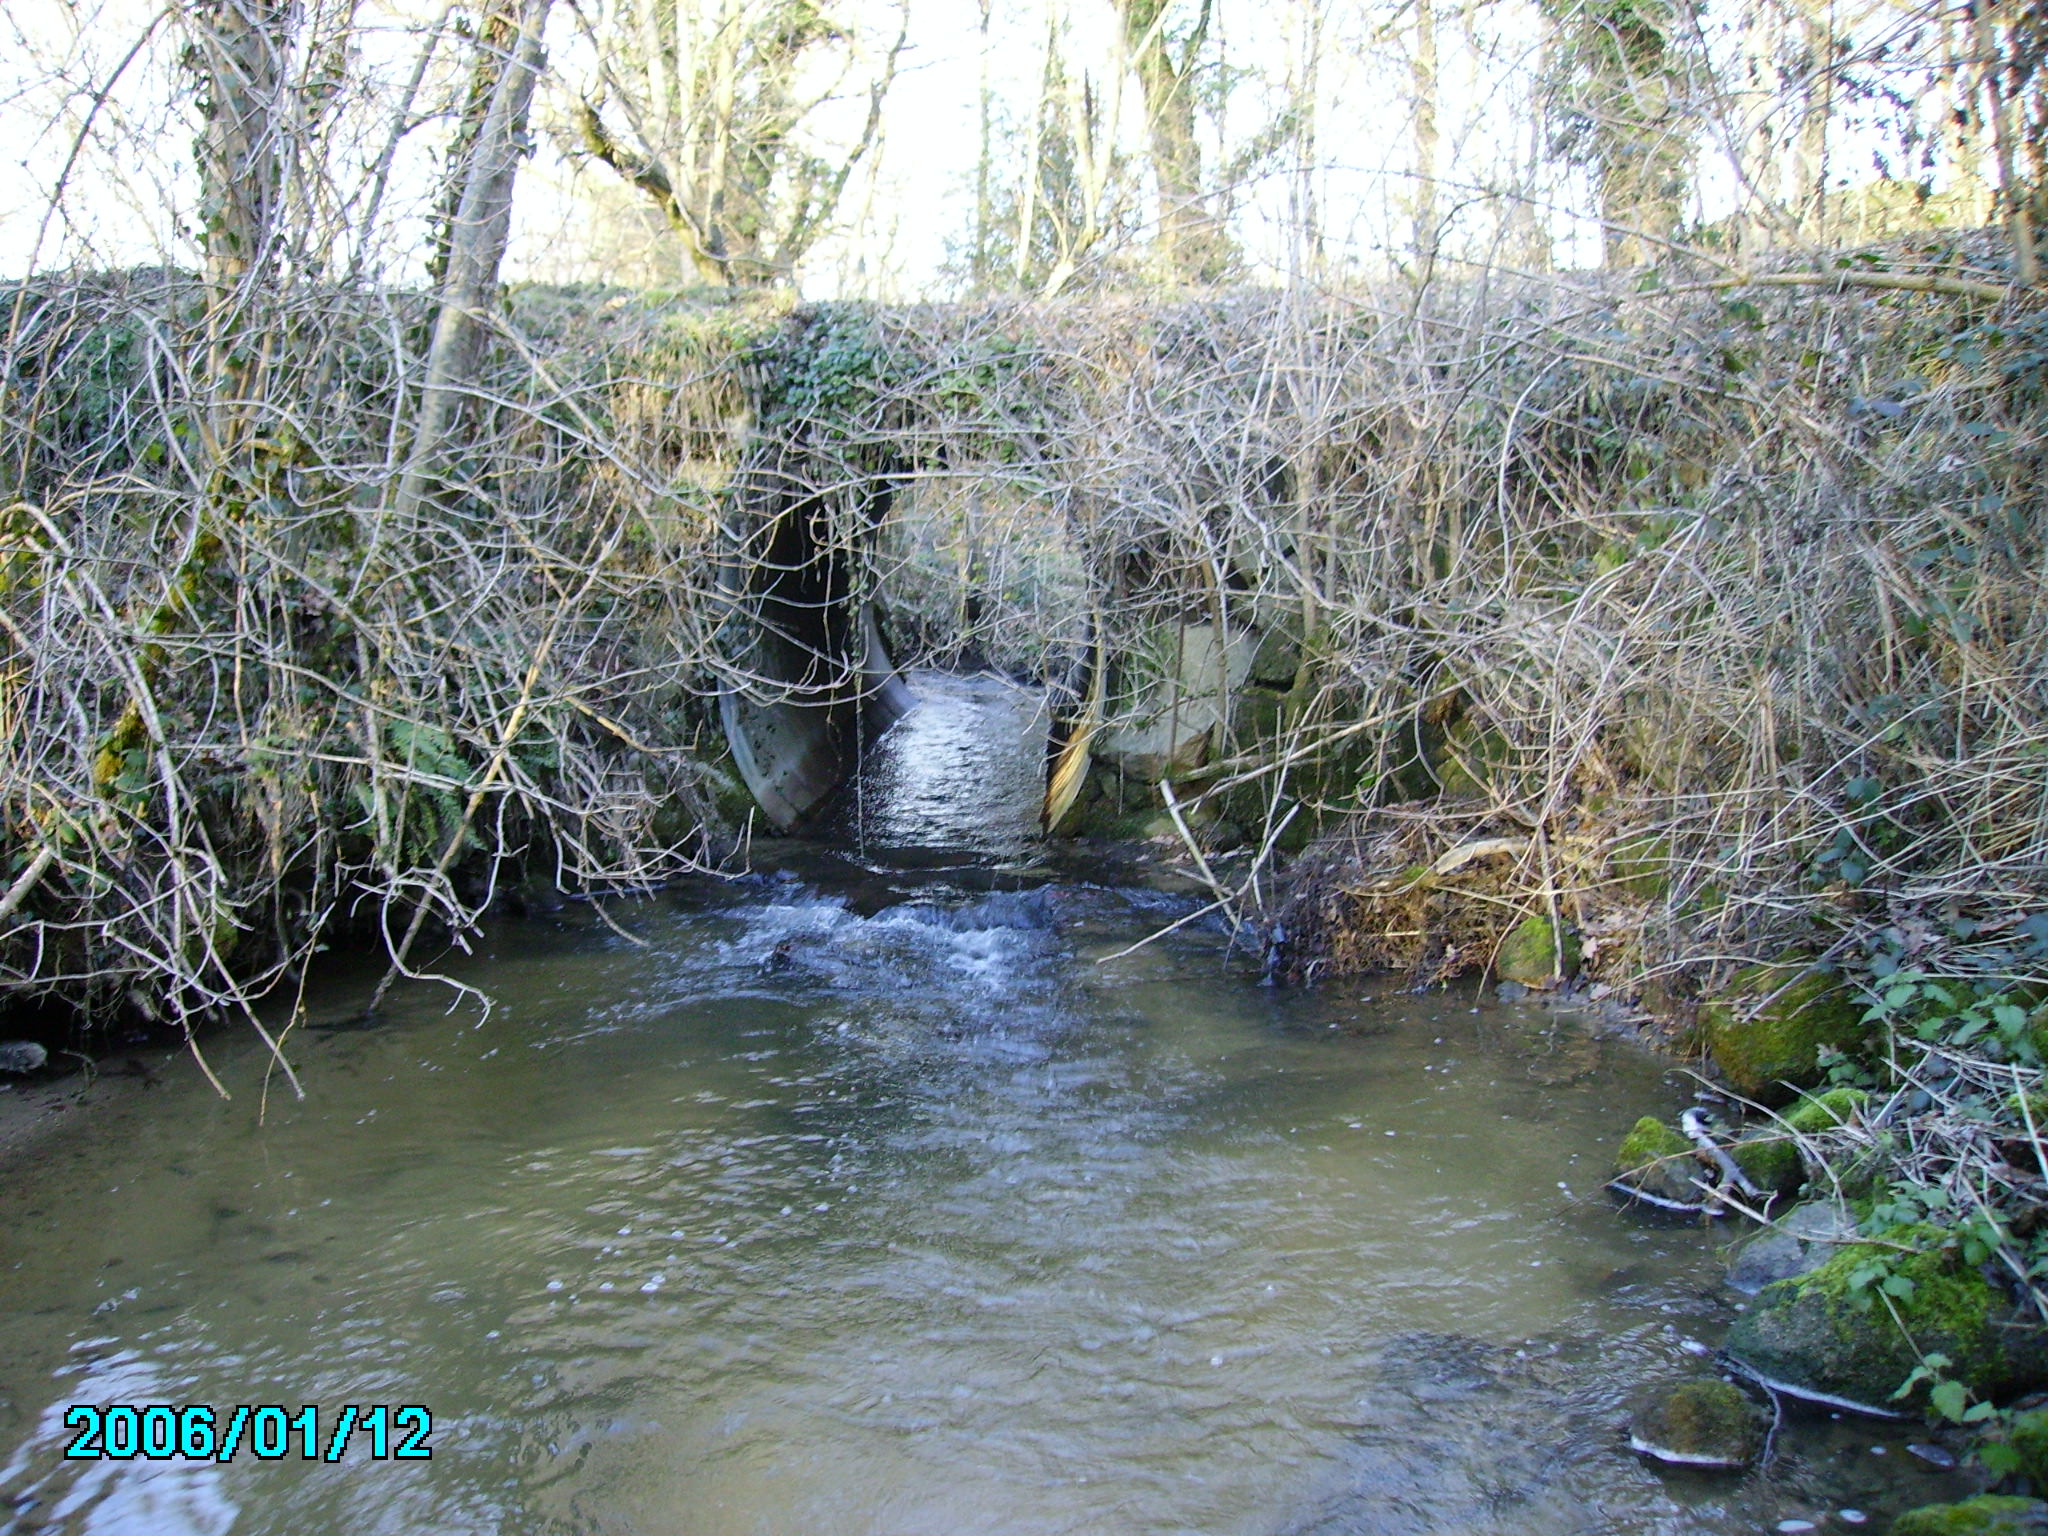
1192, 240
1758, 157
475, 239
2014, 201
983, 207
1304, 224
1034, 148
239, 48
1422, 71
1965, 124
1809, 190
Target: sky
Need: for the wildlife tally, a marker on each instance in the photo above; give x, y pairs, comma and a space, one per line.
92, 102
97, 122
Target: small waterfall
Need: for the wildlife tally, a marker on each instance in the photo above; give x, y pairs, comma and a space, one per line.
960, 773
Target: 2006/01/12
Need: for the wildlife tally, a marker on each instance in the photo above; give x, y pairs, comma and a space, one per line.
159, 1432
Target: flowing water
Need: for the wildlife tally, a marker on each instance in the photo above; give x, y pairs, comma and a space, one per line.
879, 1198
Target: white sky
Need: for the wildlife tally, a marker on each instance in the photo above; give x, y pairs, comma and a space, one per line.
91, 99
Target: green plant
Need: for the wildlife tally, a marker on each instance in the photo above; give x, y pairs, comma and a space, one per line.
1985, 1016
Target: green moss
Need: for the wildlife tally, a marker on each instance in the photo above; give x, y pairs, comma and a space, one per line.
1832, 1331
1300, 832
1772, 1158
1277, 661
1710, 1418
2028, 1437
1826, 1111
1766, 1028
729, 795
1657, 1161
1258, 714
1771, 1162
1641, 866
1111, 806
1472, 760
1705, 1423
1649, 1140
1530, 955
1986, 1515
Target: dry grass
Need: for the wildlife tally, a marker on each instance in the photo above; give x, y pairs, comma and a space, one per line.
1727, 601
1723, 607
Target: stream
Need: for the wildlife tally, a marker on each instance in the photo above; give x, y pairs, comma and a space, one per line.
890, 1190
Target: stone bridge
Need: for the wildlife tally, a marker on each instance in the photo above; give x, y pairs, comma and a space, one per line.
1169, 684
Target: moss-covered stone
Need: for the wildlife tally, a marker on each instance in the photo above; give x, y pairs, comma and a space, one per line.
1771, 1162
1772, 1158
1640, 866
1530, 954
1649, 1139
1278, 657
1802, 1239
1826, 1111
1258, 714
1658, 1161
1821, 1334
1766, 1028
1988, 1514
2028, 1437
1472, 759
1707, 1423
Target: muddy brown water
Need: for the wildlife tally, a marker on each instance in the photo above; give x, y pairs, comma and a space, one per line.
871, 1196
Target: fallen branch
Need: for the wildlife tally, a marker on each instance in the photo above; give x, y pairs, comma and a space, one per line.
25, 882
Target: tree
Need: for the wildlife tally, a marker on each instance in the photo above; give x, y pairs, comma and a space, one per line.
1619, 96
704, 105
238, 50
1422, 72
2012, 49
1194, 246
472, 245
1071, 194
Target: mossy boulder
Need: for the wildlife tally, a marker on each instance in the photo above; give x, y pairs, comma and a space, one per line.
1531, 954
1708, 1423
1472, 759
1801, 1240
1828, 1111
1986, 1515
1641, 866
1656, 1161
1767, 1026
1258, 714
2028, 1437
1278, 657
1832, 1335
1772, 1157
1771, 1162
